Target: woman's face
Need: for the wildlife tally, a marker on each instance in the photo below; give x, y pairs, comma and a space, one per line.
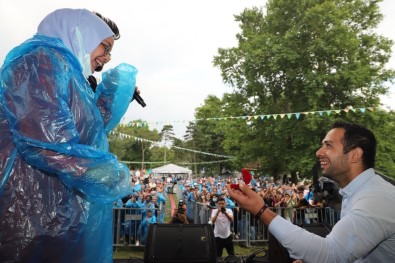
102, 54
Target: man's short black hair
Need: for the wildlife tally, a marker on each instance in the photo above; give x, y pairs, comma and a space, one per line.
355, 136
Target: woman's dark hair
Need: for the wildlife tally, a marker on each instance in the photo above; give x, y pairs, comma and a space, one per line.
358, 136
91, 79
111, 24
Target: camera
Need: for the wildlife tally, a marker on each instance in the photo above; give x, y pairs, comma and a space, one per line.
223, 210
181, 210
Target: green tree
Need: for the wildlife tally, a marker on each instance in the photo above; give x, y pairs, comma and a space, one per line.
132, 143
301, 56
215, 131
189, 143
167, 136
382, 123
179, 154
309, 55
157, 154
208, 135
384, 129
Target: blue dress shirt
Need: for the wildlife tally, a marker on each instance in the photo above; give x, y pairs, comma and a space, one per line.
365, 232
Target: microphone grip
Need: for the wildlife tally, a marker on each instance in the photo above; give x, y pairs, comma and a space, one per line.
139, 100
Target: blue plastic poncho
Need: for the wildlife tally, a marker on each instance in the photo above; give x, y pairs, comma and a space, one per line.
57, 178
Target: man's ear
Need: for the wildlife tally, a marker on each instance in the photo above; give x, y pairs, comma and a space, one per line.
356, 155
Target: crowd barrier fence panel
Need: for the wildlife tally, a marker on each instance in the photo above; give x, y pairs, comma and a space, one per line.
126, 222
246, 230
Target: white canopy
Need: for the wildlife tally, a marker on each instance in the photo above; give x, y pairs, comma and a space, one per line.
171, 169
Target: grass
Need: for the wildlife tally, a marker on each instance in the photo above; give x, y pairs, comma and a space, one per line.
129, 252
138, 252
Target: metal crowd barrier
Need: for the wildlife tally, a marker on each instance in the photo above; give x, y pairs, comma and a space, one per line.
246, 230
126, 223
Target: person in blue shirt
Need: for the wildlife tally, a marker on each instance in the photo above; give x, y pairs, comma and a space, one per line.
144, 226
188, 197
131, 226
136, 187
147, 205
161, 202
229, 202
366, 229
253, 182
58, 180
118, 203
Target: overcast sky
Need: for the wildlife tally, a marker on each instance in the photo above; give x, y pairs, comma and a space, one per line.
172, 43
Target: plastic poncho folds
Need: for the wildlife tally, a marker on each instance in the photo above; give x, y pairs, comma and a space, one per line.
57, 178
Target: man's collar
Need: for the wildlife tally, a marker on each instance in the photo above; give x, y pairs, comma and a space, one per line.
356, 183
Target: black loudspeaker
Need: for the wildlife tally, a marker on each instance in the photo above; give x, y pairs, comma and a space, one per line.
278, 253
172, 243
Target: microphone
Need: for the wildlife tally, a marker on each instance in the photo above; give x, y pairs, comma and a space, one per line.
139, 99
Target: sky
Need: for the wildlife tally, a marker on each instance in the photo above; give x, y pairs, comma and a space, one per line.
172, 44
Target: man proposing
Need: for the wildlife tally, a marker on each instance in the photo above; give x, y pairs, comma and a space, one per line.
366, 230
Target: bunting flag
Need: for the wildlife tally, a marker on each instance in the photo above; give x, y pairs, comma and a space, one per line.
297, 116
210, 162
178, 163
123, 135
247, 118
132, 162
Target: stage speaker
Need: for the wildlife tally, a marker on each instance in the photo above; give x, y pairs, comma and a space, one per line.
172, 243
278, 253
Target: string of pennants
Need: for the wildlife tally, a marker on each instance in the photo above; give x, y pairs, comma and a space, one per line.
246, 117
182, 163
297, 115
123, 135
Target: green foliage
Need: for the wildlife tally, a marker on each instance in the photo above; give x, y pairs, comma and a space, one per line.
301, 56
207, 135
126, 145
167, 133
382, 123
167, 136
308, 55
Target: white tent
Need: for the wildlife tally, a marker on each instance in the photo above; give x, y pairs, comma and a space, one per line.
171, 169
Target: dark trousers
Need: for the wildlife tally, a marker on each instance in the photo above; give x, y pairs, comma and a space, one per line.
226, 243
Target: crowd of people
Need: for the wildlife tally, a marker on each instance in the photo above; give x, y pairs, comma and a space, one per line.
148, 199
200, 196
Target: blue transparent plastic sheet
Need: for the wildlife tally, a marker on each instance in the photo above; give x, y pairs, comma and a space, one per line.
57, 178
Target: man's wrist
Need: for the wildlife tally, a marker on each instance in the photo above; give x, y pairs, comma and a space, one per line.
260, 212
